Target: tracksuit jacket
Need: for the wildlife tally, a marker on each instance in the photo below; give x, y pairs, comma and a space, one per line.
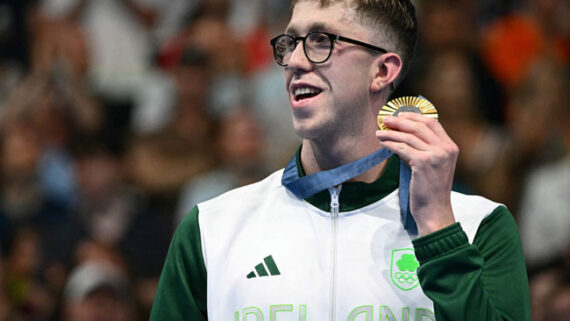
260, 253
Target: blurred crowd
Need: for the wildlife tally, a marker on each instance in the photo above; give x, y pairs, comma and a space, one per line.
118, 116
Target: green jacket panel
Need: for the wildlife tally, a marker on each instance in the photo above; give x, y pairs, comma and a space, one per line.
181, 294
486, 280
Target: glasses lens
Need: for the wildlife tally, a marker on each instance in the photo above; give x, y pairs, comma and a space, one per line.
318, 46
283, 46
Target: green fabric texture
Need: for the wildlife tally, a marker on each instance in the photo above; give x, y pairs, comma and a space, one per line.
486, 280
356, 195
181, 293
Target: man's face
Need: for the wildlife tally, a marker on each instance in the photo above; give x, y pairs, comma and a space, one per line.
337, 91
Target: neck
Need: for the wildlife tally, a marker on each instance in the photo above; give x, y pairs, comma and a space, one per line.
321, 154
318, 156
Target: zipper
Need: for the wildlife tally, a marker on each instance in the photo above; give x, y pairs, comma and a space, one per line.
335, 192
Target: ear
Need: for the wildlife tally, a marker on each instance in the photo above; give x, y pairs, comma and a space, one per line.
386, 69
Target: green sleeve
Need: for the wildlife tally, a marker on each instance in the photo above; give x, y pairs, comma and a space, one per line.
181, 293
486, 280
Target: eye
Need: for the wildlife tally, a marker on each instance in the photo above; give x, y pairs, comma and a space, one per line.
318, 39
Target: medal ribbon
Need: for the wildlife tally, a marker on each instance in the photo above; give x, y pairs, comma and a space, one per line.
306, 186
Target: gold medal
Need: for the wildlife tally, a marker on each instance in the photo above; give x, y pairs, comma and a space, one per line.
412, 104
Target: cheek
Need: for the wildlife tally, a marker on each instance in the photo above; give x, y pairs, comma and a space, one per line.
350, 89
352, 78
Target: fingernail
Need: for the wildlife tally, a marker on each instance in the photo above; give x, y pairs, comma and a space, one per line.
387, 118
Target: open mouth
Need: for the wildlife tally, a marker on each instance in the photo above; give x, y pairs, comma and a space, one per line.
305, 92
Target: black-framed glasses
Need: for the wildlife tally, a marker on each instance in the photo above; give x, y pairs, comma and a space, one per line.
317, 46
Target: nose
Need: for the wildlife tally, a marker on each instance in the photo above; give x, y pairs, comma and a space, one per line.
299, 60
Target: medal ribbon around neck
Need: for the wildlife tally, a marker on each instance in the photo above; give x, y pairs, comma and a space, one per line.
306, 186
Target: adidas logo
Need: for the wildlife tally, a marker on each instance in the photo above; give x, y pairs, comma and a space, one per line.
261, 269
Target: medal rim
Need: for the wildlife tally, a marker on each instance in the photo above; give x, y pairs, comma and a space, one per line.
391, 107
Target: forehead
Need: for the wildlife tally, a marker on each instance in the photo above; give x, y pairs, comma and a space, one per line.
310, 15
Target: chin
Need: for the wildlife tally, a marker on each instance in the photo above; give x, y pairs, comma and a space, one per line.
304, 130
312, 130
304, 133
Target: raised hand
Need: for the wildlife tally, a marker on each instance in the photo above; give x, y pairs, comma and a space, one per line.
424, 145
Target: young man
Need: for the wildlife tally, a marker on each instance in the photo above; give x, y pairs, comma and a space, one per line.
261, 252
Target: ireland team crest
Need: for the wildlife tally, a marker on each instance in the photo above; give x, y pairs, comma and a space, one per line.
403, 267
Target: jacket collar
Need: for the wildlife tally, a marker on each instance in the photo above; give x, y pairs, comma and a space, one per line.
356, 195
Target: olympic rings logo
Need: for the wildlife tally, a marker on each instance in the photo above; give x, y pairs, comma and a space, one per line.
405, 277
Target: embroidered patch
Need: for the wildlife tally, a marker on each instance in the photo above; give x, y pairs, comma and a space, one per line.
403, 269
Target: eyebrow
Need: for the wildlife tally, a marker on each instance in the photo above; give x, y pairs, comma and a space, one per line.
319, 26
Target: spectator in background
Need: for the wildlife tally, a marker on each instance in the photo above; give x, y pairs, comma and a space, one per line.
239, 145
451, 82
514, 42
179, 148
56, 110
106, 204
451, 25
19, 157
30, 298
118, 37
559, 307
42, 116
26, 205
536, 114
97, 291
542, 286
163, 153
244, 73
550, 294
122, 223
447, 24
210, 33
14, 44
541, 132
54, 100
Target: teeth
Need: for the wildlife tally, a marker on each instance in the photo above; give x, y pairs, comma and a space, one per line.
305, 91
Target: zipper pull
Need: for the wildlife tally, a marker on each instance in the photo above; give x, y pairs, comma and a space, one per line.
335, 192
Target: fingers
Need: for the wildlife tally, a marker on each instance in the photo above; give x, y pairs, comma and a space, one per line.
403, 137
413, 134
426, 128
403, 150
433, 124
